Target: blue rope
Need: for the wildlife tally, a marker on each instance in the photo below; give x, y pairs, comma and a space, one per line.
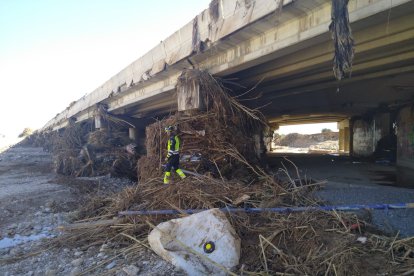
344, 208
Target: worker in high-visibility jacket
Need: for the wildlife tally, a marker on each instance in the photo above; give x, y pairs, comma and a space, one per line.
173, 155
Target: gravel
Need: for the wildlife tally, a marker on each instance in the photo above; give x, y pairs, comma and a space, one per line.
33, 201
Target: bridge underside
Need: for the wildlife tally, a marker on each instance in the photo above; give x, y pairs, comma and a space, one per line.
289, 59
299, 86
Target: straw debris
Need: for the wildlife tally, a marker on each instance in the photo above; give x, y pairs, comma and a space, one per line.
217, 143
80, 150
218, 136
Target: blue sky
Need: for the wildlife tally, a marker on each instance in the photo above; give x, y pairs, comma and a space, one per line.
54, 52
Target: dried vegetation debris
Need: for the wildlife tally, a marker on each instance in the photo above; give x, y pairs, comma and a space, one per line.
309, 243
230, 175
79, 150
219, 136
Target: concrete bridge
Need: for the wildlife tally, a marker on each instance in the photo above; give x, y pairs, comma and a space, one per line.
286, 50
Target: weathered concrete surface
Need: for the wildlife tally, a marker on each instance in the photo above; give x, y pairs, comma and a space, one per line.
405, 146
367, 133
363, 138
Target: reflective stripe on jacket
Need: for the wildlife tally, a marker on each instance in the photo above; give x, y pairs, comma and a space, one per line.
173, 145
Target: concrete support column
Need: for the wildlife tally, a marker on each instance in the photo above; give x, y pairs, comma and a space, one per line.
133, 134
341, 139
189, 97
273, 128
347, 139
99, 122
405, 147
351, 137
344, 136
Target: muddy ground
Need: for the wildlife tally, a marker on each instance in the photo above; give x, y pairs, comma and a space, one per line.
34, 201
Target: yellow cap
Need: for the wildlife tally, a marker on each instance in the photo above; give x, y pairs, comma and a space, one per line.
208, 246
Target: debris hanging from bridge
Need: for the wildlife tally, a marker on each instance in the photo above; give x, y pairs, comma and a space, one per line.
342, 37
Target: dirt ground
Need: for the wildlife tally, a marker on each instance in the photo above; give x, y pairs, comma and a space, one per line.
306, 143
34, 201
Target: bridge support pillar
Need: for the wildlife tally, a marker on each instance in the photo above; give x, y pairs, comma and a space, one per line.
405, 147
268, 136
189, 97
133, 134
99, 122
344, 136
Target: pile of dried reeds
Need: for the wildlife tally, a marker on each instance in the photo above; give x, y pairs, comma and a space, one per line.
78, 150
308, 243
220, 135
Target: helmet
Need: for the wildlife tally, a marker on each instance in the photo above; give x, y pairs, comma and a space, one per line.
169, 128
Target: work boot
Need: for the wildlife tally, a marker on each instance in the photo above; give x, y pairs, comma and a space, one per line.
180, 173
167, 177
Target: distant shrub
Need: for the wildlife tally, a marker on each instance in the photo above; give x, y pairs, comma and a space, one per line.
326, 130
26, 132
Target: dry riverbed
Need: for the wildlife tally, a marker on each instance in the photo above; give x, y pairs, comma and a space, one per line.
34, 201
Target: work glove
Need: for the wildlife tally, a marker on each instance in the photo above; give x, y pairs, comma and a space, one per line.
166, 158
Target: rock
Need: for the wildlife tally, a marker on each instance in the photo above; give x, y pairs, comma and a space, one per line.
131, 270
362, 240
211, 228
48, 228
37, 227
15, 251
103, 248
77, 262
101, 255
50, 272
76, 271
12, 226
78, 253
30, 273
111, 265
